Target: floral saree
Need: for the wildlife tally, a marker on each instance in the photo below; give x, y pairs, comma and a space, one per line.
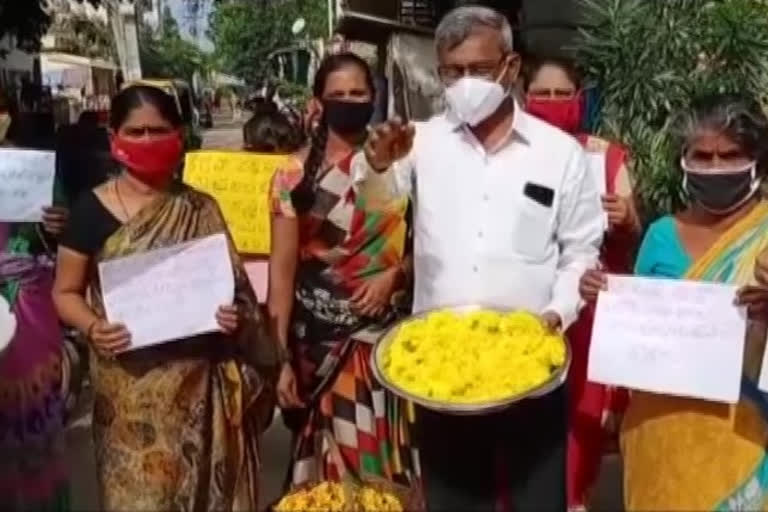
687, 454
33, 469
177, 426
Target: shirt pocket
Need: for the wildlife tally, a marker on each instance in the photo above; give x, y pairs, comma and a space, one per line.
532, 230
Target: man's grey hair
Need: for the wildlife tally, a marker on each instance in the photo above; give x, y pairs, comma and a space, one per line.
459, 24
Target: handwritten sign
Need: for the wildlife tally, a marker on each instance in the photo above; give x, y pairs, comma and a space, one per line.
596, 165
169, 293
762, 383
596, 169
671, 337
240, 182
26, 184
7, 324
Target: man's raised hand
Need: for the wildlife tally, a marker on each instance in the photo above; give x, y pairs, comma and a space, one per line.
388, 142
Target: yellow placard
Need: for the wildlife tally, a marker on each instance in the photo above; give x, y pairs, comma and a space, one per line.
240, 182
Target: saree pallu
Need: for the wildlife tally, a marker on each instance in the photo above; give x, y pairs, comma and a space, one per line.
177, 426
371, 428
686, 454
33, 473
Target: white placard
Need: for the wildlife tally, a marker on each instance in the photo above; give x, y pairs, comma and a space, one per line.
596, 167
762, 383
670, 337
596, 161
7, 324
170, 293
26, 184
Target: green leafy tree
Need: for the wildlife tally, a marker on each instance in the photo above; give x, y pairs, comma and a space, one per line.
649, 59
27, 21
246, 32
168, 55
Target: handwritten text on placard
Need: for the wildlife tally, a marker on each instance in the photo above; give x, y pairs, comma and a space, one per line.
671, 337
26, 184
240, 182
169, 293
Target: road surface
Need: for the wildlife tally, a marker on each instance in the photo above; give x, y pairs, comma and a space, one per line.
275, 445
224, 135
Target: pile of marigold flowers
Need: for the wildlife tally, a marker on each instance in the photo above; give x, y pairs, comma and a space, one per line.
332, 497
475, 357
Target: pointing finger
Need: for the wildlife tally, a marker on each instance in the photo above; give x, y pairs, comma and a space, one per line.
410, 130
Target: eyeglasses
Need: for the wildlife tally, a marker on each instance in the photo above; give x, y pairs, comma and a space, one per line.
486, 70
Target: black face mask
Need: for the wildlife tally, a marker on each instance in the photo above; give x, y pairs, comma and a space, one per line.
347, 117
720, 193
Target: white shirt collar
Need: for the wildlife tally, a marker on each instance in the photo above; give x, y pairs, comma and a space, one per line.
518, 131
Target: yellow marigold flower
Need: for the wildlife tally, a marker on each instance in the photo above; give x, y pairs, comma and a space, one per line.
327, 496
474, 357
371, 500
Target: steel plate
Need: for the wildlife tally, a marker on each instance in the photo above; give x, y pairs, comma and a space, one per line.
473, 409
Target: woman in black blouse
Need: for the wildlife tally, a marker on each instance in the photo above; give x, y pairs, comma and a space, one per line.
176, 426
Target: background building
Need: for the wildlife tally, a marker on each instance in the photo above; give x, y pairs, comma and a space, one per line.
77, 59
402, 30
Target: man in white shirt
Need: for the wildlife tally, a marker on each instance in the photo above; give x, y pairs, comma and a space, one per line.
505, 214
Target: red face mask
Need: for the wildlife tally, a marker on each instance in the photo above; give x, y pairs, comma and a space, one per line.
566, 114
152, 161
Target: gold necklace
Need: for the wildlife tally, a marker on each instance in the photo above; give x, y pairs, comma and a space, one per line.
120, 200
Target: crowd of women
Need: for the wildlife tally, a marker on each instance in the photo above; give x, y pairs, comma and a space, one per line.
178, 426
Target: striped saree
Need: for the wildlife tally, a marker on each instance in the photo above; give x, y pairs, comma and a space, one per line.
686, 454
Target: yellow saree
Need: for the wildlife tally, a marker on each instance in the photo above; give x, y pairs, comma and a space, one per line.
686, 454
176, 426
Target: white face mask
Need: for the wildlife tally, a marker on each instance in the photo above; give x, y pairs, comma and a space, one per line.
473, 99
